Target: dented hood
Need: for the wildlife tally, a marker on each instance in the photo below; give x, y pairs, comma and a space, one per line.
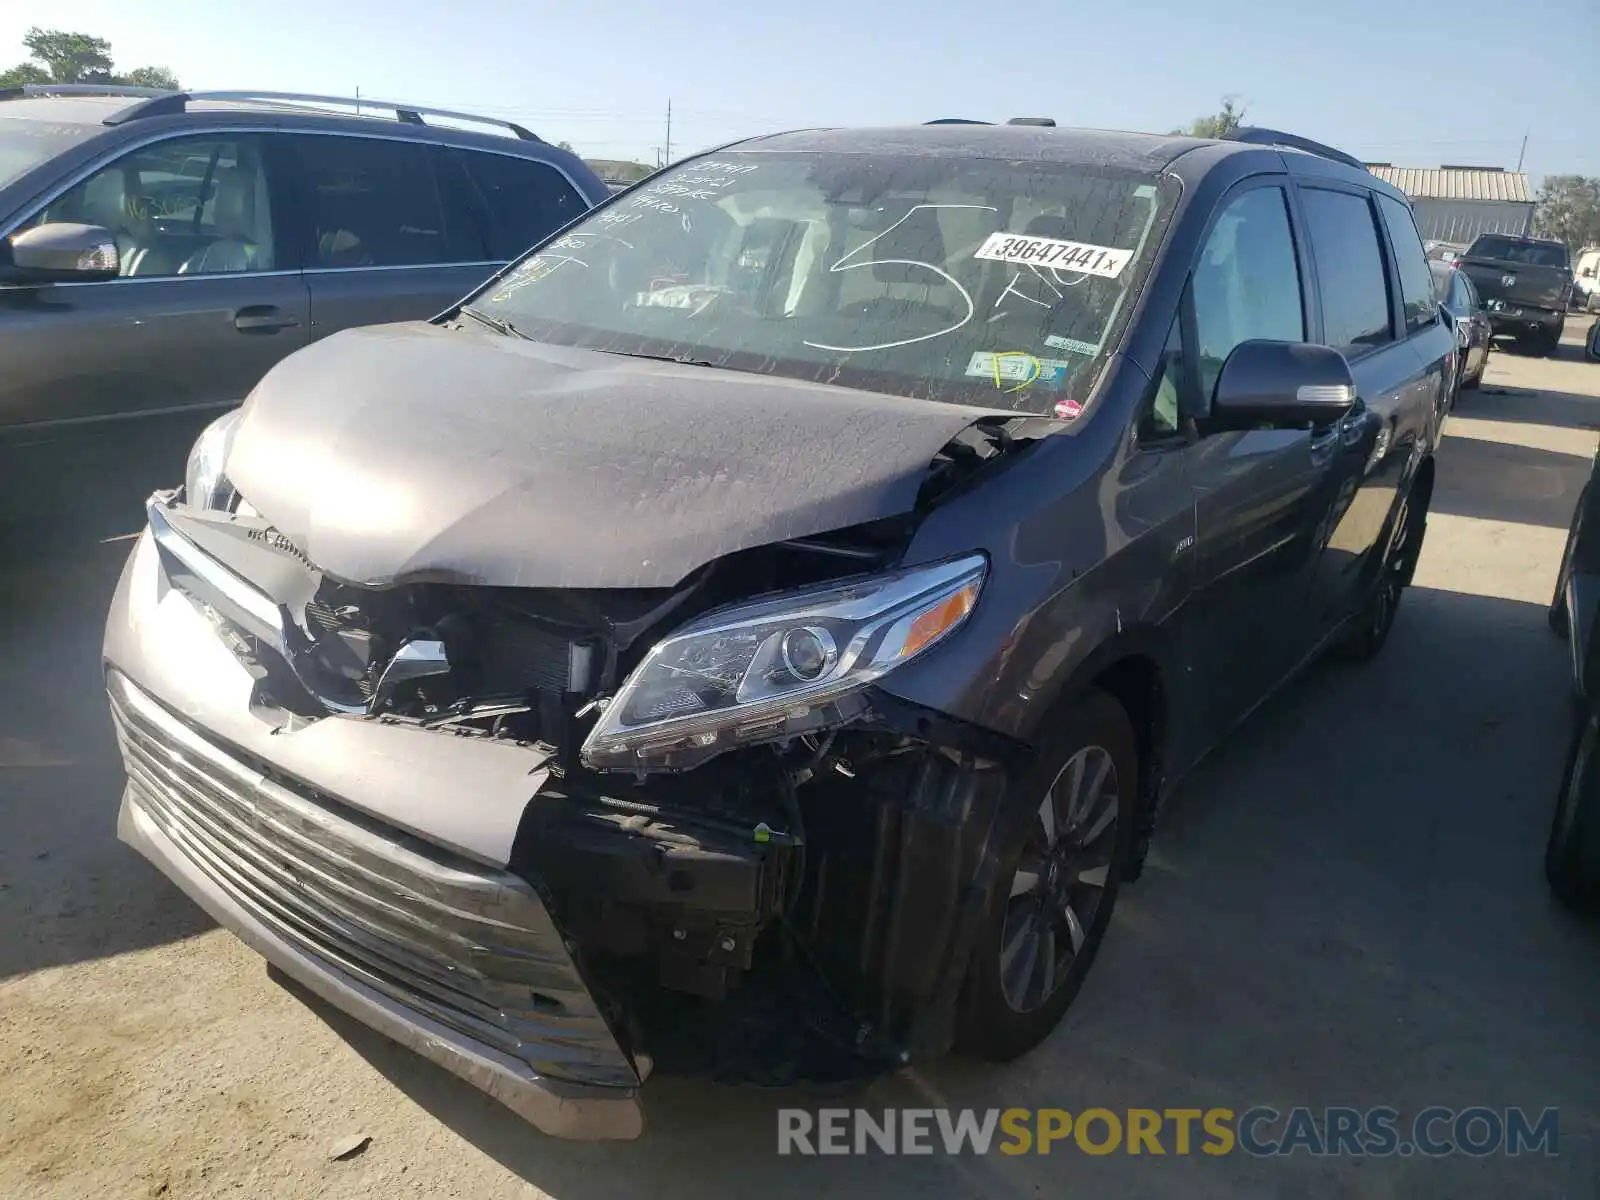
414, 452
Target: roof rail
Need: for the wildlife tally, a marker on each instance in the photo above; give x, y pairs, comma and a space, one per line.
79, 89
1257, 136
957, 121
165, 103
1048, 122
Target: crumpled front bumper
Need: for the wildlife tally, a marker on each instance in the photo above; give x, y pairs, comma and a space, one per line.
310, 844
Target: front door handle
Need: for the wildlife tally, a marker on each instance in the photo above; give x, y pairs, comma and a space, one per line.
263, 318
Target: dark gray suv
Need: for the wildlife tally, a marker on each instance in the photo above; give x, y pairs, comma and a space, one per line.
160, 251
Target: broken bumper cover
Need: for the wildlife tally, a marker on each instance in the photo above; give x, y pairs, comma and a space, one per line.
450, 955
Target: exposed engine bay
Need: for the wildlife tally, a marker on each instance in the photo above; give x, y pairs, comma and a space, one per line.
791, 902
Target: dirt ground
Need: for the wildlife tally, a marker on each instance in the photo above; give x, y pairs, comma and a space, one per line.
1345, 907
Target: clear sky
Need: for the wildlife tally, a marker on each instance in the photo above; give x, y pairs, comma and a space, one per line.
1412, 82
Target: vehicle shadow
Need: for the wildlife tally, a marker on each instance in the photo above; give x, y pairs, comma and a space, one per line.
1342, 907
69, 891
1530, 406
1504, 481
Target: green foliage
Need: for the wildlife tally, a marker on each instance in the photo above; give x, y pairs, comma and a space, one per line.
1218, 124
62, 57
567, 146
619, 170
1568, 209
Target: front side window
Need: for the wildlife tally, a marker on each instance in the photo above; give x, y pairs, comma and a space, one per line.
26, 143
1246, 285
1350, 274
1416, 283
964, 280
188, 206
374, 203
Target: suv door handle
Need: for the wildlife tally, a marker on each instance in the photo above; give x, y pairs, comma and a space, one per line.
262, 318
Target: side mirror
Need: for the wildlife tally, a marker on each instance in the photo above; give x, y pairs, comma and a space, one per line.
1282, 383
62, 252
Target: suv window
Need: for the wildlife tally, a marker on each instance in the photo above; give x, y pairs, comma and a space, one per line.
1469, 294
373, 203
1416, 284
1247, 282
1519, 250
188, 206
1350, 275
526, 201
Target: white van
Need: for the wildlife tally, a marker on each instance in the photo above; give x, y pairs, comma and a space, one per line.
1586, 279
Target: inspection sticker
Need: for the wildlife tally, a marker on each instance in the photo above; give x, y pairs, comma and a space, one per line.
1077, 257
1017, 367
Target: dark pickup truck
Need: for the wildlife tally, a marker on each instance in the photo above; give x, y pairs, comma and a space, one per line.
1525, 283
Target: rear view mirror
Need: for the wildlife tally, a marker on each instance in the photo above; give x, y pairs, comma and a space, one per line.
62, 253
1282, 383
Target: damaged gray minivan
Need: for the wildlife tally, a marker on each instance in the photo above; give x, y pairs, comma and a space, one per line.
750, 636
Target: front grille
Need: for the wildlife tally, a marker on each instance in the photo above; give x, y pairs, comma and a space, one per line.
469, 947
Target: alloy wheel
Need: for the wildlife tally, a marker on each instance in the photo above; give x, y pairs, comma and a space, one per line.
1060, 881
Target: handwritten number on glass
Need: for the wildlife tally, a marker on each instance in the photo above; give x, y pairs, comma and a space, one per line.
845, 264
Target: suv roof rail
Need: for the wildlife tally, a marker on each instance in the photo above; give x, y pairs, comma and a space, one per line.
1048, 122
165, 103
79, 89
1256, 136
957, 121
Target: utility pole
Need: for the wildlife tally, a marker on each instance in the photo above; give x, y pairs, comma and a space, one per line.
1523, 151
666, 155
358, 101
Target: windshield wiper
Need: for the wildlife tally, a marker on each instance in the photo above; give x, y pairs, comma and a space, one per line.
506, 328
671, 358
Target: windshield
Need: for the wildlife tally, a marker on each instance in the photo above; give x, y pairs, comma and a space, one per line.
1506, 249
26, 144
973, 281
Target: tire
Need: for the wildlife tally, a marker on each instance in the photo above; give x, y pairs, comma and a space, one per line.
1591, 346
1372, 627
1549, 342
1047, 916
1572, 852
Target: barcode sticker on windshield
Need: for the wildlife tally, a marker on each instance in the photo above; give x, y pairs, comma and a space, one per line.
1077, 257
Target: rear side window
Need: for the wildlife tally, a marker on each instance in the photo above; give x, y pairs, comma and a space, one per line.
525, 200
1350, 275
373, 203
1416, 281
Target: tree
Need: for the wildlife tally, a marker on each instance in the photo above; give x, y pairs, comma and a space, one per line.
567, 146
1568, 209
1217, 125
63, 57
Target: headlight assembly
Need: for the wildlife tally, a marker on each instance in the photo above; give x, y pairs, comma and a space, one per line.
763, 671
204, 484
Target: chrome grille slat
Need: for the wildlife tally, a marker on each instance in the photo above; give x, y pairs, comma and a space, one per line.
468, 947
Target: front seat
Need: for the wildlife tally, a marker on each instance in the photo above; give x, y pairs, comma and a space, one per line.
235, 248
897, 256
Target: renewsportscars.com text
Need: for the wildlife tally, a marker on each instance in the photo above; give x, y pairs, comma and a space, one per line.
1262, 1131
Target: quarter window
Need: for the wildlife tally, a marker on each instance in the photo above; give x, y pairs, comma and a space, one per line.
526, 200
1247, 283
373, 203
1416, 282
1350, 275
188, 206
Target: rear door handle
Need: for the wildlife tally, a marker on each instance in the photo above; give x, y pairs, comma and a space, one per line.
262, 318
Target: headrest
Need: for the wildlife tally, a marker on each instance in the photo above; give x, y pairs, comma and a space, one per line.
917, 238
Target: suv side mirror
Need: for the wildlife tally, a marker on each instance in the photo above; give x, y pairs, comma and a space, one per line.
62, 252
1282, 383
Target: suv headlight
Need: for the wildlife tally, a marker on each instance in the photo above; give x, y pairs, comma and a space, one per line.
776, 668
204, 484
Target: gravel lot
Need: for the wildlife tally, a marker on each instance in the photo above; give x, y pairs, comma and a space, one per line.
1346, 907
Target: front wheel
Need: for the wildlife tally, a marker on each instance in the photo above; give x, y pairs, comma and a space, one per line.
1069, 833
1371, 630
1572, 853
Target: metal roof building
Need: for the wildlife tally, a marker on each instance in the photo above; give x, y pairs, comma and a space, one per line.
1456, 204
